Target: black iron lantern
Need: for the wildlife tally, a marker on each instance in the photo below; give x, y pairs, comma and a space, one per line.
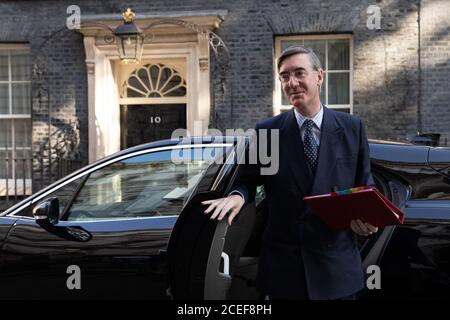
129, 39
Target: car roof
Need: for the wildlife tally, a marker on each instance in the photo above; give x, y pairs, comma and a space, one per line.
399, 153
179, 141
380, 141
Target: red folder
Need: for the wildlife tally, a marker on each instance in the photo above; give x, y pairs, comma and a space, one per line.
367, 204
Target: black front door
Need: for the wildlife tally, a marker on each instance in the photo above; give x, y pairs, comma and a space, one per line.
146, 123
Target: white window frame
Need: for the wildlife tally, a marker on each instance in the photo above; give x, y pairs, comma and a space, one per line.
277, 106
125, 100
15, 188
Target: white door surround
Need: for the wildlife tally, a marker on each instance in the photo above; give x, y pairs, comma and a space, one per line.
162, 42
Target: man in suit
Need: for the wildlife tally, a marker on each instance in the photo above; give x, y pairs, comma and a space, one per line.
320, 150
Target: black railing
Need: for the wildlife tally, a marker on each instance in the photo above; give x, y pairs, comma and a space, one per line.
15, 175
17, 179
57, 156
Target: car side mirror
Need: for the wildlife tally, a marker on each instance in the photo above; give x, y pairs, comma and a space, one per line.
427, 139
46, 212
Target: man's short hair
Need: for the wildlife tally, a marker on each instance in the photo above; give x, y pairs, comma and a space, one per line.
297, 49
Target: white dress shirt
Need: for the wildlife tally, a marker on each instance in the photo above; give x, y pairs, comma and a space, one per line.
317, 118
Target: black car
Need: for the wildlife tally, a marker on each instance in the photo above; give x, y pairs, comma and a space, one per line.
132, 226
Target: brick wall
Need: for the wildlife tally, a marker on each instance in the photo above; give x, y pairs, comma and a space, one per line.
386, 76
385, 71
435, 65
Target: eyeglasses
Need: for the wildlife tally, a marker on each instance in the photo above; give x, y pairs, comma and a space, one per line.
299, 74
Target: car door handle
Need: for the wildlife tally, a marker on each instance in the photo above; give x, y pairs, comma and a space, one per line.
226, 263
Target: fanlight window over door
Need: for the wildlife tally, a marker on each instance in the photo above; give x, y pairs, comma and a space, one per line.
154, 81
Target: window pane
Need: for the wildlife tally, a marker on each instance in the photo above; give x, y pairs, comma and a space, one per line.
133, 94
323, 91
318, 47
140, 91
143, 75
4, 66
288, 43
4, 98
20, 66
22, 165
338, 55
5, 168
174, 87
154, 74
142, 186
165, 74
5, 133
21, 98
22, 133
177, 92
338, 88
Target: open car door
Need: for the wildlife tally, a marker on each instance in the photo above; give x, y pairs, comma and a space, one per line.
203, 254
195, 250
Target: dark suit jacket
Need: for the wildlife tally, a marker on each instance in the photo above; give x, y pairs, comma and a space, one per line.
300, 256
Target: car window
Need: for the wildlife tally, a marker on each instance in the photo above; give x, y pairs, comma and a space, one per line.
260, 194
141, 186
64, 195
